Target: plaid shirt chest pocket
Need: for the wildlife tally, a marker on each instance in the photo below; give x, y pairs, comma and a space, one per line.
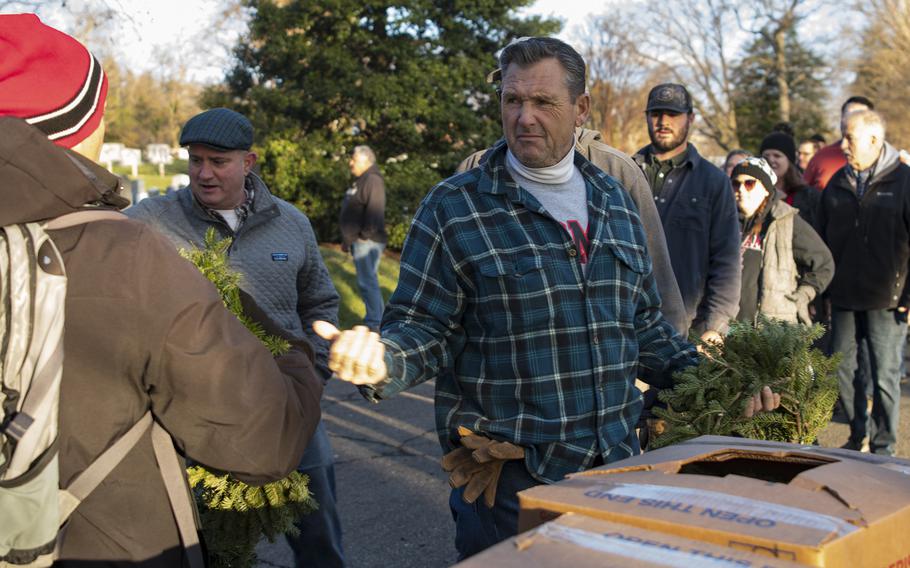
513, 293
620, 278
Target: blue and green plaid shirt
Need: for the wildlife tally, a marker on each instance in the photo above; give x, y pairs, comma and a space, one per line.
525, 346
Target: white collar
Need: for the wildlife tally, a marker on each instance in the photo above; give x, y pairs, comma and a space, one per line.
558, 173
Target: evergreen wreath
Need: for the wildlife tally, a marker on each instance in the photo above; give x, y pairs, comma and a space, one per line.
710, 398
235, 515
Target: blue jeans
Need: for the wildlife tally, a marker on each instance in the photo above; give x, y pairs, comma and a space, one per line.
478, 527
319, 541
884, 335
366, 262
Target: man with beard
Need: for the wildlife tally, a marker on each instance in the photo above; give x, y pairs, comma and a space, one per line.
698, 213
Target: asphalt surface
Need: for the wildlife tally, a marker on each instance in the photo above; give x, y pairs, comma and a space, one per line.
393, 497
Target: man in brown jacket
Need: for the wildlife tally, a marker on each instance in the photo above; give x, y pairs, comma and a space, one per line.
144, 330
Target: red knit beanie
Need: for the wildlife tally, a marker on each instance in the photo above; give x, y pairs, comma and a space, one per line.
49, 79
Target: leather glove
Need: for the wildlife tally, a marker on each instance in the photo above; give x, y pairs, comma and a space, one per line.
478, 464
802, 297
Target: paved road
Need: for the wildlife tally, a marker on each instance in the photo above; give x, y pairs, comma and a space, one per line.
393, 495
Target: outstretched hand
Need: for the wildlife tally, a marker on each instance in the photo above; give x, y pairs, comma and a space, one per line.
763, 401
356, 356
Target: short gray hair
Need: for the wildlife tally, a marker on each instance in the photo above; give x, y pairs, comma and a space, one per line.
529, 50
366, 152
866, 118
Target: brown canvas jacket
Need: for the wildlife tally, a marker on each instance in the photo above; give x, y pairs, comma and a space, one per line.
144, 330
621, 167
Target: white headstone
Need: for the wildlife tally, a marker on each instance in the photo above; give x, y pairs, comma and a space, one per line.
110, 153
180, 180
158, 154
131, 157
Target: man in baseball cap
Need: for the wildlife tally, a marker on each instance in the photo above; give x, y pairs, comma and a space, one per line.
147, 338
698, 212
670, 97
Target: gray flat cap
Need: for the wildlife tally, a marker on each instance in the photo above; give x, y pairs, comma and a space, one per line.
220, 128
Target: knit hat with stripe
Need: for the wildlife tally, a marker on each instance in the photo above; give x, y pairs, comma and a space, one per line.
49, 79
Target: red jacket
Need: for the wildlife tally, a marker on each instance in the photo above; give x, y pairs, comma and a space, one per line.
824, 164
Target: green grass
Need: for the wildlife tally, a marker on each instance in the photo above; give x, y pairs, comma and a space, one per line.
341, 269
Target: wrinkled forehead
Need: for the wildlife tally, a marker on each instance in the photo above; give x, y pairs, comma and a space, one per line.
857, 128
546, 76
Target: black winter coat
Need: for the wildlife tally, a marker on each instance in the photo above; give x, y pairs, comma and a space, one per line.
869, 237
363, 210
701, 223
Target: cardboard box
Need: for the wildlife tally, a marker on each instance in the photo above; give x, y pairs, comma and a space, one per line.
804, 504
583, 542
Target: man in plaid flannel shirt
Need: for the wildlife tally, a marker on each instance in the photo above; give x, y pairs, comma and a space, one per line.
526, 291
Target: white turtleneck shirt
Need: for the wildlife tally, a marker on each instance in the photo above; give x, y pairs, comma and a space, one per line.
560, 188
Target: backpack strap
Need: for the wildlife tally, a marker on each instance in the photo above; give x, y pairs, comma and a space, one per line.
42, 385
84, 216
174, 478
86, 482
171, 473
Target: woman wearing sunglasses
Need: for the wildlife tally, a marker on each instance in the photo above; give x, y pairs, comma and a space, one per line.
785, 262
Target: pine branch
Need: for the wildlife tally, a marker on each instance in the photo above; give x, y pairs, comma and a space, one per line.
235, 515
710, 398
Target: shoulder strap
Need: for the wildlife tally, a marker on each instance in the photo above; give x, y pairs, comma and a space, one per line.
86, 482
171, 474
178, 494
81, 217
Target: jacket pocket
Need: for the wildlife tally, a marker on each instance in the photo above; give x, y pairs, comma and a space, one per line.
513, 294
691, 213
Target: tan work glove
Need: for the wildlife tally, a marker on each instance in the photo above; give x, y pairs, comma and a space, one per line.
478, 464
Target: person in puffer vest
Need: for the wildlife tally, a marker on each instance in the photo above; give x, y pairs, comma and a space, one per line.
785, 262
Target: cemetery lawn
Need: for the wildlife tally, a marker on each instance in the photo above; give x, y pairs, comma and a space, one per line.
341, 269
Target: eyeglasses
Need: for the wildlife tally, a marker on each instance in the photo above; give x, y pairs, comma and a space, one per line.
749, 184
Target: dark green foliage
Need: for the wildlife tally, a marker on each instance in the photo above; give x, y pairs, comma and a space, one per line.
407, 78
235, 515
711, 397
756, 92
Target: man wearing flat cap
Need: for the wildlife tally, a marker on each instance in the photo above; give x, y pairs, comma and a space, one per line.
697, 210
275, 249
146, 338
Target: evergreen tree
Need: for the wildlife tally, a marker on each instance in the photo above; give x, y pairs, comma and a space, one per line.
405, 77
757, 97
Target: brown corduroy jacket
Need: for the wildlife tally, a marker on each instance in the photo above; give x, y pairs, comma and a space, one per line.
145, 331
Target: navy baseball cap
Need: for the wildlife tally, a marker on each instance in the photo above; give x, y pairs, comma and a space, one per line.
670, 96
